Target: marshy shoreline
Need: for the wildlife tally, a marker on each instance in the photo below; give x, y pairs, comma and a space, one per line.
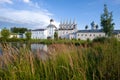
97, 61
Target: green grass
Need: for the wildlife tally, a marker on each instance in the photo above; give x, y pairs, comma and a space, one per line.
59, 41
44, 41
98, 61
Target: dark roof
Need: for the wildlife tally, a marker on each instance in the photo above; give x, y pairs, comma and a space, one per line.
96, 31
89, 31
66, 29
116, 31
72, 33
38, 29
51, 25
67, 26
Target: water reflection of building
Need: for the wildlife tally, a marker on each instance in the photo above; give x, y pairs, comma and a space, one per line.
35, 47
41, 50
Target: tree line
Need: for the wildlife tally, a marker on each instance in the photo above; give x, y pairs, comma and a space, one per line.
18, 30
5, 33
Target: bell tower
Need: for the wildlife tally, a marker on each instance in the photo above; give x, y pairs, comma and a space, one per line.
51, 21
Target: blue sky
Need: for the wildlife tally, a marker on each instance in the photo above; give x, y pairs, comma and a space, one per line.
36, 13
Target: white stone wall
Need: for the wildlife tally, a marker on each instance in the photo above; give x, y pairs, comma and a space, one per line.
117, 36
72, 36
50, 32
65, 33
39, 34
91, 36
15, 35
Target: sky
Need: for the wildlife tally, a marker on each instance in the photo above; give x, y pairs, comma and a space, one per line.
34, 14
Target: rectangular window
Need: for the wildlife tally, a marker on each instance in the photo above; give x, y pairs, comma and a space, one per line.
90, 34
118, 35
100, 35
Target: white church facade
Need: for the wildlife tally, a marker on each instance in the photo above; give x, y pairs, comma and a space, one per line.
44, 33
68, 30
39, 34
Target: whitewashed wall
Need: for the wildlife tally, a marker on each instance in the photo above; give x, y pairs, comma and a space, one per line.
39, 34
50, 32
91, 36
65, 33
117, 36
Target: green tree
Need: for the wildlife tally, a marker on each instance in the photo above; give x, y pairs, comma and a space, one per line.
55, 35
5, 33
86, 27
28, 35
18, 30
106, 21
96, 26
92, 24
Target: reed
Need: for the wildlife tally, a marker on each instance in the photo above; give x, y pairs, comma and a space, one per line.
98, 61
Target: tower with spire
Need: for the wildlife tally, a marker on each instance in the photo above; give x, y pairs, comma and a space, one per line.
51, 29
67, 27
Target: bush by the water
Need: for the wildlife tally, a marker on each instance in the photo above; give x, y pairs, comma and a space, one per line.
100, 61
100, 39
13, 40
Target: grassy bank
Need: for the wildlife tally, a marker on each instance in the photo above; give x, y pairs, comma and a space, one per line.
98, 61
44, 41
59, 41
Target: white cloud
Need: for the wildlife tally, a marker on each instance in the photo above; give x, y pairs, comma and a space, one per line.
6, 1
36, 19
26, 1
31, 3
34, 5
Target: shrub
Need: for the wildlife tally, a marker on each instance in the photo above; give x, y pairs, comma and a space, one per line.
100, 39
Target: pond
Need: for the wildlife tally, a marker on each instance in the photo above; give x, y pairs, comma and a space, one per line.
39, 49
35, 47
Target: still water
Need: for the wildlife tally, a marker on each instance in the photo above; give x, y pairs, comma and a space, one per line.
35, 47
40, 49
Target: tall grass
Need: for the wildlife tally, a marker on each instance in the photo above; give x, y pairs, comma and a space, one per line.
98, 61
